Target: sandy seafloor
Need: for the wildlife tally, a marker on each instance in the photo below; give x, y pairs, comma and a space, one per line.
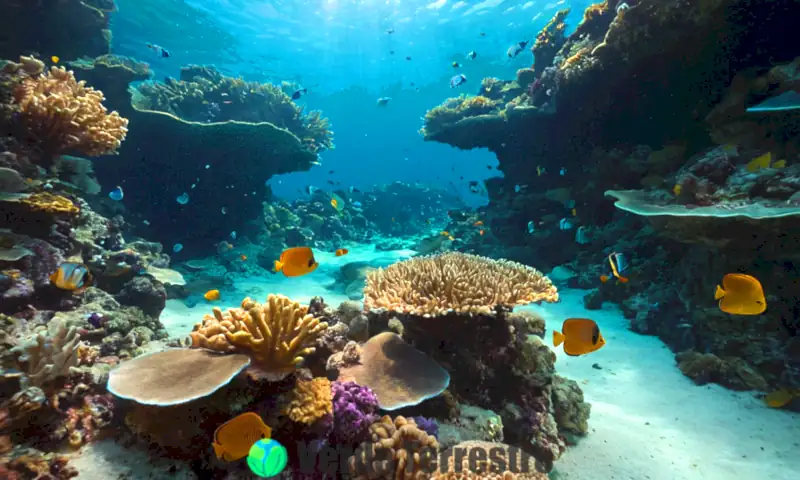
648, 421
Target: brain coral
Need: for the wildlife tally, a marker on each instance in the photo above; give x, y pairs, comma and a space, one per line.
457, 282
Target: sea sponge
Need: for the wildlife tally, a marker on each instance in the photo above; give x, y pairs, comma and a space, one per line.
61, 115
455, 282
275, 335
396, 449
52, 354
310, 401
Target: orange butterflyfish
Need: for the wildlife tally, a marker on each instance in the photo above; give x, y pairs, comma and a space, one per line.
741, 294
781, 398
243, 257
480, 232
212, 295
478, 223
580, 336
55, 59
297, 261
72, 276
341, 251
233, 439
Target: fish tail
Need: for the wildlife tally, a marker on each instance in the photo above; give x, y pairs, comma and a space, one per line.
719, 293
622, 279
558, 338
278, 266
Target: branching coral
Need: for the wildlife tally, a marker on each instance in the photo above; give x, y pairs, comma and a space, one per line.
275, 335
436, 285
397, 449
310, 401
51, 354
60, 114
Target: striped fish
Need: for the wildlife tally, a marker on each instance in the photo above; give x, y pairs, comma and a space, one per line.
72, 276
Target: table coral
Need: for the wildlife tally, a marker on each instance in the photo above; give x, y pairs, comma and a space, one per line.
310, 401
454, 109
455, 282
60, 114
276, 335
396, 449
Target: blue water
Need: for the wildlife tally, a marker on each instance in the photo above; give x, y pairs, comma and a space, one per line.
340, 51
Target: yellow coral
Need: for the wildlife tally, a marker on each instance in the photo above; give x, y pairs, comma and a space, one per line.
310, 401
459, 282
398, 447
49, 203
275, 335
62, 114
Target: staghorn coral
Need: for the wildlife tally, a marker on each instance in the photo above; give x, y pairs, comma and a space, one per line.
396, 449
275, 335
52, 354
310, 401
455, 282
60, 114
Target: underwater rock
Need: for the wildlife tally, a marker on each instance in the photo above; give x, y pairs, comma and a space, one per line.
593, 300
474, 423
733, 373
570, 411
144, 293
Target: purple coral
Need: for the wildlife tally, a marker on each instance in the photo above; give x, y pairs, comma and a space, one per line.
354, 410
428, 425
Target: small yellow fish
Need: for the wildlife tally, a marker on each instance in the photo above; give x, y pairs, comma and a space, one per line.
55, 59
677, 189
779, 164
574, 212
212, 295
781, 397
764, 161
451, 238
334, 203
444, 233
581, 336
539, 171
478, 223
295, 262
233, 439
741, 294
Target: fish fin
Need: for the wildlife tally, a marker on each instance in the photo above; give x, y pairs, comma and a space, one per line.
558, 338
603, 278
622, 279
218, 450
278, 266
54, 277
719, 293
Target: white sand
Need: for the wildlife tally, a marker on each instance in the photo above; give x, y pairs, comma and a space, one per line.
107, 460
648, 421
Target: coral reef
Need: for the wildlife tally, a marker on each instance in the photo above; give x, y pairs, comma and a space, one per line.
396, 449
52, 355
516, 465
276, 335
354, 410
310, 401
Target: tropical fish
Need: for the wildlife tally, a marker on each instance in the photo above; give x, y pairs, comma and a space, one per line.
481, 232
565, 224
383, 101
72, 276
243, 257
764, 161
299, 93
311, 189
677, 189
574, 212
55, 59
478, 223
177, 247
540, 171
342, 251
233, 235
582, 236
458, 80
580, 336
563, 171
619, 264
471, 55
444, 233
233, 439
531, 226
781, 397
295, 262
160, 52
455, 65
337, 202
117, 194
516, 49
390, 31
741, 294
212, 295
183, 198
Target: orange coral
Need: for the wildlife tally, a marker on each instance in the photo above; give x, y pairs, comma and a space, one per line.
49, 203
61, 114
310, 401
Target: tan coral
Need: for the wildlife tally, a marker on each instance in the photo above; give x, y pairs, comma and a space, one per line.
457, 282
310, 401
62, 114
49, 203
396, 449
276, 335
51, 354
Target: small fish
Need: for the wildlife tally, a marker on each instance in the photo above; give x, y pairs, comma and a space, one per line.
227, 102
337, 202
384, 101
582, 236
354, 190
234, 438
764, 161
160, 52
741, 294
563, 171
408, 58
619, 265
580, 336
310, 190
55, 59
517, 188
223, 210
299, 93
482, 34
478, 223
177, 247
540, 171
455, 65
471, 55
117, 194
480, 232
603, 278
474, 187
531, 226
233, 235
390, 31
458, 80
391, 52
516, 49
565, 224
574, 212
295, 262
334, 203
779, 164
677, 189
356, 204
444, 233
212, 295
208, 166
146, 222
223, 94
96, 319
183, 198
72, 276
243, 257
341, 251
781, 397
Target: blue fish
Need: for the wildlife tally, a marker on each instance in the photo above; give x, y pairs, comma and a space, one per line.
233, 235
177, 247
458, 80
299, 93
160, 52
582, 236
565, 224
117, 194
183, 199
531, 226
356, 204
72, 276
563, 171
